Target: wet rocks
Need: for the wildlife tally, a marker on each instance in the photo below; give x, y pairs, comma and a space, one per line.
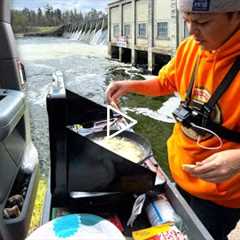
123, 72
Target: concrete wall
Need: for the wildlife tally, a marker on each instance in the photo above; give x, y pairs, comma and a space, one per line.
162, 14
127, 13
128, 21
142, 18
115, 19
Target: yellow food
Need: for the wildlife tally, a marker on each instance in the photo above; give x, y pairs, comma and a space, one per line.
123, 147
188, 166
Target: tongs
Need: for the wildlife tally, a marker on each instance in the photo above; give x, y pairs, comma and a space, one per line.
123, 117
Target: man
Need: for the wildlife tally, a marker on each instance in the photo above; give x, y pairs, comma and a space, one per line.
204, 163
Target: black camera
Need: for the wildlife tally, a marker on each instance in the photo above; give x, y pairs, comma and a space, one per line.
183, 114
194, 117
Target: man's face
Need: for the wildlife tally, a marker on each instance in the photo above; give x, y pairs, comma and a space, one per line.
211, 30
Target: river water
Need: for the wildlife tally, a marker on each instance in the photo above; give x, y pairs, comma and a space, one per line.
84, 67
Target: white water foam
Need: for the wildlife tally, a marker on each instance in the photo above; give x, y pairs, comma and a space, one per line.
163, 114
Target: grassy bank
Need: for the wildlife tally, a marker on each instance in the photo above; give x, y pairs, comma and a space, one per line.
37, 30
43, 29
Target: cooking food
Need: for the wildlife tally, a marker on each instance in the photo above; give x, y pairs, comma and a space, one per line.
123, 147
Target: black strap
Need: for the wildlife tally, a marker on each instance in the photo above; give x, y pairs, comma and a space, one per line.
190, 88
223, 85
209, 106
223, 132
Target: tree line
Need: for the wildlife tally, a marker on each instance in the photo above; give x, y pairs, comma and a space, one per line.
27, 20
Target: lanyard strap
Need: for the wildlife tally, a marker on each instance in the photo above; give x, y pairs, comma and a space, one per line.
223, 86
229, 77
193, 76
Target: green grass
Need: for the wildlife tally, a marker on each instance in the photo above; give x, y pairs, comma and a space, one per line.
47, 29
44, 29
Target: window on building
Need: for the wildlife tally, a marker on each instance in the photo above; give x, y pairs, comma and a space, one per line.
162, 30
115, 30
126, 30
142, 30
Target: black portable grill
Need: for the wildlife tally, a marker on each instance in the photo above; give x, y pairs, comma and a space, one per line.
82, 168
86, 178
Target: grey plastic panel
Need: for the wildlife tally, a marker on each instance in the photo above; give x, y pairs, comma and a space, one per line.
17, 228
9, 69
7, 42
10, 77
4, 11
193, 226
8, 171
12, 105
15, 146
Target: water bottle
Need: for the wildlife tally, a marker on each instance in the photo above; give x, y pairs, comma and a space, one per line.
160, 211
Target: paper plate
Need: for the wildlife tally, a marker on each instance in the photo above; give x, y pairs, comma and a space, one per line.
77, 227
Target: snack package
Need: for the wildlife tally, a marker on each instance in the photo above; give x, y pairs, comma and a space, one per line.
161, 232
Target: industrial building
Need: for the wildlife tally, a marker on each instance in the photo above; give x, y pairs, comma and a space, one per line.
144, 32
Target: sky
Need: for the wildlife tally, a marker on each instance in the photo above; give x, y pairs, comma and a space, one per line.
83, 5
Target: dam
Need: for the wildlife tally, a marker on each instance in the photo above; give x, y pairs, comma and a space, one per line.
91, 32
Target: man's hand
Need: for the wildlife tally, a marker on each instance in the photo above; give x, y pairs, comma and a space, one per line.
115, 90
218, 167
149, 87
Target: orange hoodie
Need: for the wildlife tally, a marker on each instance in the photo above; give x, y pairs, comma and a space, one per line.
182, 145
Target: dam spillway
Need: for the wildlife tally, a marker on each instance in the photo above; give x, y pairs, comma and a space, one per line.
91, 32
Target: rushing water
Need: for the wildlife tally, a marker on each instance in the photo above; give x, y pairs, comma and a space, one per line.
84, 67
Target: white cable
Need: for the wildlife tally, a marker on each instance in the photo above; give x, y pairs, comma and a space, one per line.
211, 132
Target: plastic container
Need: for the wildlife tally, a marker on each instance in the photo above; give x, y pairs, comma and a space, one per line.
160, 211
